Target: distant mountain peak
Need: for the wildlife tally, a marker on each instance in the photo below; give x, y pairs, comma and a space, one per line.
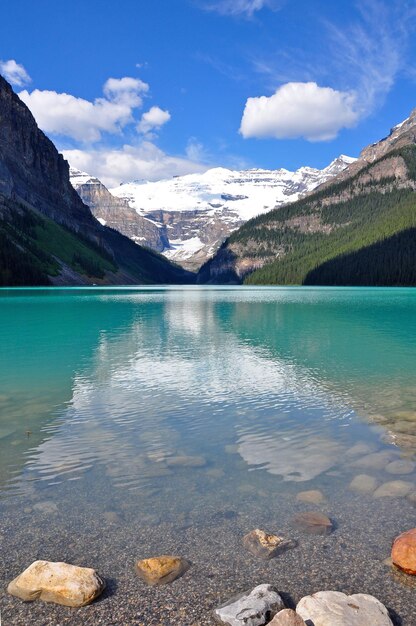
188, 217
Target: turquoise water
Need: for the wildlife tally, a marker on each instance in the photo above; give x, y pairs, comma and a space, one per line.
187, 404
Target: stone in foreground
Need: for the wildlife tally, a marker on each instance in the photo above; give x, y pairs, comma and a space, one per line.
252, 608
264, 545
161, 570
287, 617
57, 582
403, 553
313, 523
333, 608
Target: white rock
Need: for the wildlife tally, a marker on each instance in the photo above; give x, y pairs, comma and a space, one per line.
252, 608
333, 608
57, 582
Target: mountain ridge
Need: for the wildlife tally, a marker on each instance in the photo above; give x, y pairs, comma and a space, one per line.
188, 217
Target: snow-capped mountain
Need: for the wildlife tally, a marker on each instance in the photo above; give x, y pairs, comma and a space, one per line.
193, 214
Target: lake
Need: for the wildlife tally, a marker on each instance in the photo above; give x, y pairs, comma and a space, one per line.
143, 421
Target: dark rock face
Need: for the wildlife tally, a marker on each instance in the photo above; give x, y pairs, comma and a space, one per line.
34, 178
32, 170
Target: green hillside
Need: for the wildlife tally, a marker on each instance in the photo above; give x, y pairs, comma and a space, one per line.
381, 210
34, 249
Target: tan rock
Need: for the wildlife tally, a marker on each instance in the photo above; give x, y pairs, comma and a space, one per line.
313, 496
333, 608
287, 617
313, 523
264, 545
394, 489
57, 582
401, 466
161, 570
412, 498
363, 483
186, 461
376, 460
359, 449
403, 552
48, 507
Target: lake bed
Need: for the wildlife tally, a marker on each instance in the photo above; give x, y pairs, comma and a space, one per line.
138, 422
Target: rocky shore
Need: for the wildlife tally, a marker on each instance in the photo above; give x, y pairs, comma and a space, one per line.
187, 558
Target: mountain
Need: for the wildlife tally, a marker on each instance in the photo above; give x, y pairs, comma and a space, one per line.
47, 234
116, 212
188, 217
357, 229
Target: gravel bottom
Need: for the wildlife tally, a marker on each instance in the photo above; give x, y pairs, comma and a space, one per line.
208, 532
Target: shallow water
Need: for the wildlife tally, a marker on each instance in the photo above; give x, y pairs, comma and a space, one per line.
136, 422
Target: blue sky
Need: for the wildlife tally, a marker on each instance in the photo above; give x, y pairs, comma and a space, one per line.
168, 87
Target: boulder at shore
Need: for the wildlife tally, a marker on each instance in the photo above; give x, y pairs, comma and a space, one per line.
252, 608
403, 553
57, 582
333, 608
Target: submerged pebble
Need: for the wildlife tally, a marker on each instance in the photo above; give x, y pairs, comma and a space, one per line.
394, 489
363, 483
313, 496
313, 523
400, 466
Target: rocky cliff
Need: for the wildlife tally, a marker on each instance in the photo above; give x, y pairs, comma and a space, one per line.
117, 213
47, 233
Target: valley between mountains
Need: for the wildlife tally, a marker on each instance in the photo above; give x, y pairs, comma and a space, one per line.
352, 223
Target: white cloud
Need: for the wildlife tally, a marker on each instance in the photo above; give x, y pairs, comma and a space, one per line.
153, 120
82, 120
145, 161
241, 7
364, 56
299, 110
14, 73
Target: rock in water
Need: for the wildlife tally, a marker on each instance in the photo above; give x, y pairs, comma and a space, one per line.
394, 489
363, 483
313, 523
333, 608
402, 466
403, 553
57, 582
161, 570
287, 617
252, 608
376, 460
313, 496
186, 461
264, 545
